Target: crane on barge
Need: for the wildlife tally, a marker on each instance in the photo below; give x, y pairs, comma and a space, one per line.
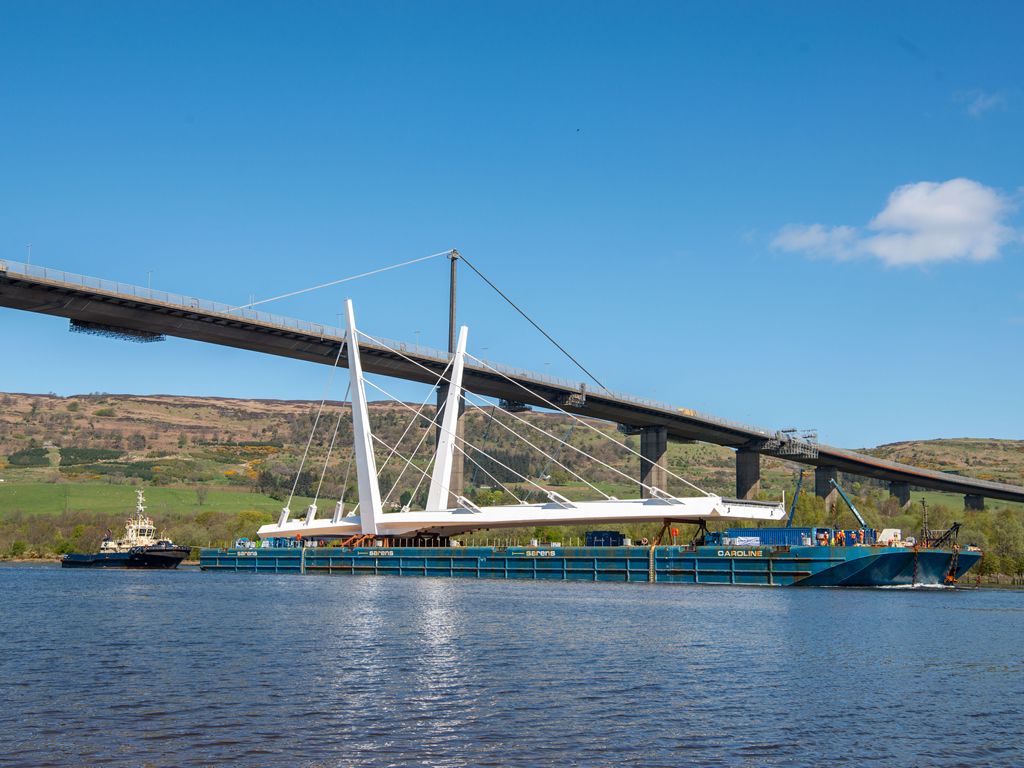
850, 504
796, 498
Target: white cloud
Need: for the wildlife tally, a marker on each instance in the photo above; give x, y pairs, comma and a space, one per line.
980, 102
921, 223
817, 239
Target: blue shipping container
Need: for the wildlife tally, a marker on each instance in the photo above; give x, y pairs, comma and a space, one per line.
605, 539
773, 537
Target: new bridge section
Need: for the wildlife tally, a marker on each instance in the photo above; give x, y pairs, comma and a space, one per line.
106, 305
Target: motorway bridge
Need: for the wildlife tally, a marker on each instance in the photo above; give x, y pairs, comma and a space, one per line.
110, 307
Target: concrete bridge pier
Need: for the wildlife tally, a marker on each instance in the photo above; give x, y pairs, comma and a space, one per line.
653, 459
823, 488
974, 502
901, 491
748, 473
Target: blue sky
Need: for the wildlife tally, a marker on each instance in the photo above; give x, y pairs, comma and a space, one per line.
745, 208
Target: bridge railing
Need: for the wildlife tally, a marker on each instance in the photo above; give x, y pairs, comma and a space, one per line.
127, 290
164, 297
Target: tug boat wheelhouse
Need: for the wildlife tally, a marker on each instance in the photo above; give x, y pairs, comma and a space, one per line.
138, 548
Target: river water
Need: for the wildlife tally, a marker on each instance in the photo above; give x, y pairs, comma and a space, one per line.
186, 668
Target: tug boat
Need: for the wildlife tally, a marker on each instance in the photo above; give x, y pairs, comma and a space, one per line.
138, 548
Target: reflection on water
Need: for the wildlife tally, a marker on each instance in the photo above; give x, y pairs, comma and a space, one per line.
122, 668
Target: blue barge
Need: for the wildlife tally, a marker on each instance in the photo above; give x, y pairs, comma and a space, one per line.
852, 566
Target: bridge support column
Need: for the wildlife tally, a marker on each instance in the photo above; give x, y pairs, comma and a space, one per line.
457, 486
900, 491
823, 488
748, 473
653, 459
974, 502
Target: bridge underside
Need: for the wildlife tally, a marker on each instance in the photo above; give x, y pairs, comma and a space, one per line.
143, 310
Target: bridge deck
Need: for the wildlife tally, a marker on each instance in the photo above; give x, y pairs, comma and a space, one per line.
92, 300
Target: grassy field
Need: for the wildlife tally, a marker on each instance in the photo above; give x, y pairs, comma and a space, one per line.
57, 498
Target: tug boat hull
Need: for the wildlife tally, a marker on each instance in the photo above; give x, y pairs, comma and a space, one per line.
139, 557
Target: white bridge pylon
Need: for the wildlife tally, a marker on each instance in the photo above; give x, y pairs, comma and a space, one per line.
437, 519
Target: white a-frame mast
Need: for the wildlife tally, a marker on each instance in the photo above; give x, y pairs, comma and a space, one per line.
370, 509
444, 458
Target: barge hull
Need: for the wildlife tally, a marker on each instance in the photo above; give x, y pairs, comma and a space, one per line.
757, 566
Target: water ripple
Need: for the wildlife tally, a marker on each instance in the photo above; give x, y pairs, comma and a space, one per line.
129, 669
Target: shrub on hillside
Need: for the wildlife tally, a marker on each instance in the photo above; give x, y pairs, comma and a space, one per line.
70, 456
140, 469
30, 457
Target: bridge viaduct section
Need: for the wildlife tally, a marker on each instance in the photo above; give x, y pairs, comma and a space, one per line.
104, 305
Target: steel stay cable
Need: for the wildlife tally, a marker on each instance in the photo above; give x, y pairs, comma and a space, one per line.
344, 484
435, 423
342, 280
395, 453
424, 473
547, 455
591, 427
330, 449
412, 455
475, 448
401, 474
483, 439
483, 469
530, 320
409, 425
327, 388
419, 482
549, 434
541, 451
569, 445
463, 452
412, 421
558, 454
476, 465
